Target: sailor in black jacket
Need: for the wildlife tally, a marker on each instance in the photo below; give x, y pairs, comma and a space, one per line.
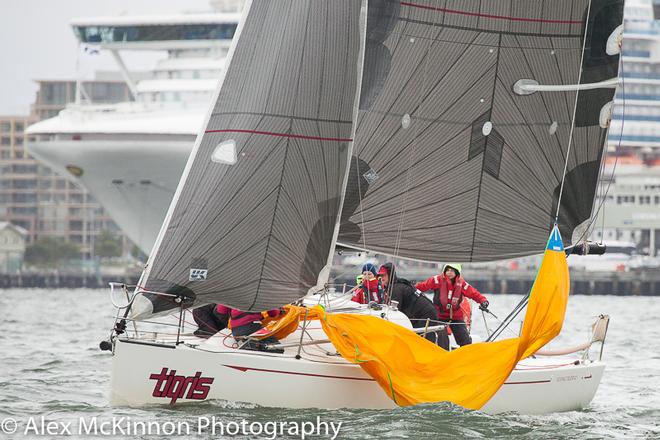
412, 303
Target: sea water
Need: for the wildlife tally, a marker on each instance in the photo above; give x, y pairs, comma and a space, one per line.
52, 372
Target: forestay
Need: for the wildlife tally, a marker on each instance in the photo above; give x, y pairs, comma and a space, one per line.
450, 163
255, 216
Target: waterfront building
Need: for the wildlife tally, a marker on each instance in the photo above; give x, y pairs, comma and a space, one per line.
31, 195
19, 179
12, 247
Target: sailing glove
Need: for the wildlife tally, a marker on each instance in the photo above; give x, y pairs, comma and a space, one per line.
484, 306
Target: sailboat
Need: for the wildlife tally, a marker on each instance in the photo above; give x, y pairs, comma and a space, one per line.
426, 130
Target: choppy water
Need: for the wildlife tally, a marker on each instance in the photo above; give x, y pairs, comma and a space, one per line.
50, 366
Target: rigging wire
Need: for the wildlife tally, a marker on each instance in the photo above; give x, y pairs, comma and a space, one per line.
601, 202
570, 134
617, 149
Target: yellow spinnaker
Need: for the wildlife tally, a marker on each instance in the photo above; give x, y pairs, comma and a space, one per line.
413, 370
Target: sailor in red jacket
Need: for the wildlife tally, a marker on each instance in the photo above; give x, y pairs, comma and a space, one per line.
368, 288
449, 289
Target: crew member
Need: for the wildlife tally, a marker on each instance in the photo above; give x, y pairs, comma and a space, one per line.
413, 303
209, 322
449, 289
242, 324
368, 288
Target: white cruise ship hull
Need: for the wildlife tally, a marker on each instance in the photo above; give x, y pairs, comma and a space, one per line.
134, 180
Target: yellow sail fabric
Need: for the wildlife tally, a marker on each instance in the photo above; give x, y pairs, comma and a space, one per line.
413, 370
283, 325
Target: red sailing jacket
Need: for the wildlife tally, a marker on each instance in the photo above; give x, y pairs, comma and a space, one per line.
239, 318
375, 292
447, 293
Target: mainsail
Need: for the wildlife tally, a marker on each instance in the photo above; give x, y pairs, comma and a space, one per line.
254, 219
449, 162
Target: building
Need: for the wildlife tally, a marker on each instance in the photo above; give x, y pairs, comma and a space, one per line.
631, 211
33, 197
18, 176
12, 247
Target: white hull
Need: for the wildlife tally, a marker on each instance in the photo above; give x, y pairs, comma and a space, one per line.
317, 379
134, 180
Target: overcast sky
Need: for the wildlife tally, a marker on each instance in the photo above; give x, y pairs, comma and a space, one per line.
36, 42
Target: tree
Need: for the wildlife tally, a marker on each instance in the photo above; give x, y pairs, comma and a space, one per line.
50, 252
107, 245
137, 253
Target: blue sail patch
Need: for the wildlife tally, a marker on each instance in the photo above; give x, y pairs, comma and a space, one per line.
554, 242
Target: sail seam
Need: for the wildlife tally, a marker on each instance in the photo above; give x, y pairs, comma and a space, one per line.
488, 31
286, 135
483, 160
277, 115
491, 16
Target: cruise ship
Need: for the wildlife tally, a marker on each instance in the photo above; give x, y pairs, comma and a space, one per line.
628, 206
636, 112
131, 155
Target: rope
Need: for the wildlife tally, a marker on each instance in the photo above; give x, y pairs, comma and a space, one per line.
357, 167
587, 232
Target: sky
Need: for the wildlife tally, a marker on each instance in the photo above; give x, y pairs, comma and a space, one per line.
36, 42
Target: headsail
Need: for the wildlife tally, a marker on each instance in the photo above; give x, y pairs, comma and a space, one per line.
413, 370
449, 162
254, 218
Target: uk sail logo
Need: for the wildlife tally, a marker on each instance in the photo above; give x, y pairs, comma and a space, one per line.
171, 386
197, 274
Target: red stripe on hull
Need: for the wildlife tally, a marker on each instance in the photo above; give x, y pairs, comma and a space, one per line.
528, 382
244, 369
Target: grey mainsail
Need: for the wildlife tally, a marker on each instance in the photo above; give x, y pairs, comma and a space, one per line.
256, 214
449, 162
